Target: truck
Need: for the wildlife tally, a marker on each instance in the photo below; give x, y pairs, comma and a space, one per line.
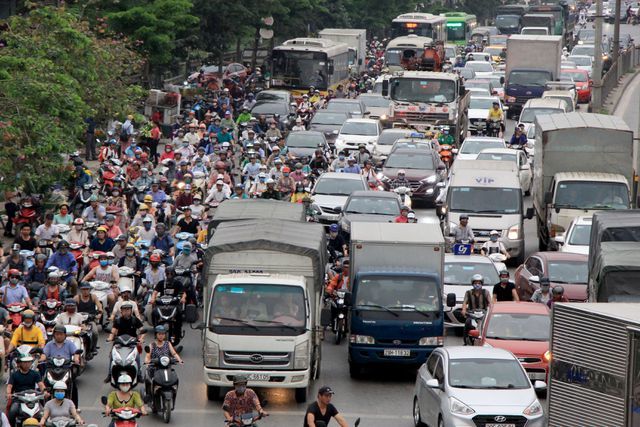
595, 369
239, 209
564, 20
264, 280
426, 100
526, 74
584, 163
396, 309
508, 18
356, 39
539, 20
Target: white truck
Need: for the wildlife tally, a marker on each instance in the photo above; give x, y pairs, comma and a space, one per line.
356, 39
595, 366
583, 163
262, 310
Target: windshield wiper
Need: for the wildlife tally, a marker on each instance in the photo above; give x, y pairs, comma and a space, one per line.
412, 307
231, 319
497, 338
600, 207
567, 206
378, 306
284, 325
467, 386
501, 387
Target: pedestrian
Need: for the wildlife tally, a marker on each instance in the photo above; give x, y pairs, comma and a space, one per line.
323, 410
90, 139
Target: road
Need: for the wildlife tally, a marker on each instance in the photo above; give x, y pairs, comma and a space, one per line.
383, 399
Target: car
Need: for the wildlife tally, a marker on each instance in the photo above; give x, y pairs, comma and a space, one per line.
519, 157
450, 52
368, 206
523, 328
482, 68
576, 238
562, 268
497, 80
462, 386
564, 65
564, 95
473, 145
385, 141
536, 106
611, 15
275, 95
355, 107
413, 143
583, 62
232, 70
424, 171
531, 141
377, 105
465, 73
482, 83
329, 123
331, 191
358, 131
478, 91
582, 81
478, 56
495, 52
586, 36
479, 107
304, 143
584, 49
458, 270
499, 40
270, 108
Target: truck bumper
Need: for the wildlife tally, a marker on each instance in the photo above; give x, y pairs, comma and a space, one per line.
374, 355
268, 379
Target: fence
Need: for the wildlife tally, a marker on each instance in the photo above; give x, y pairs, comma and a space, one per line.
627, 60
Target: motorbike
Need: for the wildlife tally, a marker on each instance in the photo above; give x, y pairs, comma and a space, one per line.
166, 313
82, 199
245, 420
46, 247
31, 405
34, 289
446, 154
101, 291
77, 250
340, 307
137, 198
124, 356
493, 128
472, 328
63, 231
405, 195
61, 369
27, 214
49, 310
87, 336
15, 310
61, 422
498, 260
29, 257
108, 172
76, 335
182, 238
163, 389
199, 183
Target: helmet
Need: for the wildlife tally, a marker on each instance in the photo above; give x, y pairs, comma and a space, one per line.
402, 172
59, 385
63, 244
160, 329
558, 290
59, 328
494, 233
101, 228
477, 278
124, 379
220, 165
286, 169
155, 258
148, 198
544, 281
334, 228
78, 221
503, 272
28, 314
14, 272
31, 422
405, 208
70, 302
41, 257
240, 379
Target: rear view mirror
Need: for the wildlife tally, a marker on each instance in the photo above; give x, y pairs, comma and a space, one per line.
540, 385
190, 313
559, 239
530, 213
433, 383
502, 80
325, 317
451, 300
103, 399
385, 87
147, 349
548, 197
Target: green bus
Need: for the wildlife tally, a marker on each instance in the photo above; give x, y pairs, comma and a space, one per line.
459, 26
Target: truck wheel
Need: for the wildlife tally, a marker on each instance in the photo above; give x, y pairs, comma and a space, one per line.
301, 395
355, 370
213, 392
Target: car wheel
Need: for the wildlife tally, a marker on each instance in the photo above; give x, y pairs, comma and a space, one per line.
417, 421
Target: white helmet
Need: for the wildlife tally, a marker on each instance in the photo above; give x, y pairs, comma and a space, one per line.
60, 385
124, 284
124, 379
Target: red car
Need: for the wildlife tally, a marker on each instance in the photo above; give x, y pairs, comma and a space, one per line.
523, 329
582, 81
562, 268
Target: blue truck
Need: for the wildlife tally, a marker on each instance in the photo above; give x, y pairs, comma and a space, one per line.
531, 62
396, 308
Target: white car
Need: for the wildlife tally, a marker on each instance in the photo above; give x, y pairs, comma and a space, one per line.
475, 386
536, 106
583, 62
458, 270
331, 191
385, 142
377, 105
584, 49
358, 131
510, 155
482, 68
576, 239
473, 145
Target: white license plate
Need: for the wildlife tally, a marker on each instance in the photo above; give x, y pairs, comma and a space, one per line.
499, 425
397, 352
258, 377
537, 376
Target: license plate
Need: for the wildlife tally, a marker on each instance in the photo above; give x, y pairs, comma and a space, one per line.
537, 376
397, 352
499, 425
258, 377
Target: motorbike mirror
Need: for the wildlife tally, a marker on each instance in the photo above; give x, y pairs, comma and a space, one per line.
441, 167
474, 333
454, 150
451, 300
264, 403
347, 299
107, 329
79, 351
179, 350
147, 349
357, 423
529, 214
325, 317
320, 423
103, 399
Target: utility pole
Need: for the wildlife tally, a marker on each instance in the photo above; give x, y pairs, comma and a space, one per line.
597, 65
616, 34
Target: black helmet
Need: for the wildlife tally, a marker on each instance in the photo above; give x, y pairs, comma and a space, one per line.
558, 290
59, 328
240, 379
63, 244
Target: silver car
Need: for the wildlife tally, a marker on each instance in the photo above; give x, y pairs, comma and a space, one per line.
332, 190
475, 387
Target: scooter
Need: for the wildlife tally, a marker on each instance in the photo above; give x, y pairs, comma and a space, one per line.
15, 310
62, 422
166, 313
123, 417
472, 329
245, 420
101, 291
77, 250
498, 260
27, 214
405, 195
137, 198
493, 128
83, 199
76, 334
163, 387
31, 405
61, 369
124, 355
29, 257
446, 154
49, 310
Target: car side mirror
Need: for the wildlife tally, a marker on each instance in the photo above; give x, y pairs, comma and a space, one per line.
502, 80
559, 240
385, 87
338, 209
548, 197
534, 279
433, 383
540, 385
451, 300
201, 326
325, 317
529, 214
525, 167
474, 333
347, 299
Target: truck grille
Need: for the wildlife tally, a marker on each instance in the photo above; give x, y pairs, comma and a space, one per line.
250, 359
397, 342
481, 233
421, 116
483, 420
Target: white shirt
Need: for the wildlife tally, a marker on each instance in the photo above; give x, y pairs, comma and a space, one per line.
47, 233
493, 247
218, 196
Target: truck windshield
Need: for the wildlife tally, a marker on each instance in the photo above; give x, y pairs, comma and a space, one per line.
394, 295
507, 21
485, 200
619, 286
258, 309
592, 195
423, 90
529, 78
519, 326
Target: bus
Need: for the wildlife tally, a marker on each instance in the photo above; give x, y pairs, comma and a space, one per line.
403, 48
303, 62
459, 26
420, 24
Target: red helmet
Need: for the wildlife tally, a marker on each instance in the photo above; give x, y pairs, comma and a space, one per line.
14, 272
144, 155
286, 169
155, 258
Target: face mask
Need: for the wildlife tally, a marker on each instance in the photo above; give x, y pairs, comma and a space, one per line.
147, 226
78, 227
285, 174
186, 251
544, 288
241, 389
494, 238
27, 324
341, 157
477, 286
130, 253
115, 193
160, 232
13, 281
504, 279
104, 262
125, 388
59, 395
63, 211
168, 149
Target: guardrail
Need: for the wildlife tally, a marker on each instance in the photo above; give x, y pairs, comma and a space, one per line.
627, 61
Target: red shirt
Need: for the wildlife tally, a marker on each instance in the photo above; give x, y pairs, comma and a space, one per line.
155, 133
401, 219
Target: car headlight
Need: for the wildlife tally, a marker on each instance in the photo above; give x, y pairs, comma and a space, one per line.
510, 99
547, 356
514, 232
430, 180
534, 409
301, 355
346, 227
211, 354
339, 141
431, 341
383, 117
460, 408
361, 339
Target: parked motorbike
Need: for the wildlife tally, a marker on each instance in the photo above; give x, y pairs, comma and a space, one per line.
124, 356
163, 387
472, 328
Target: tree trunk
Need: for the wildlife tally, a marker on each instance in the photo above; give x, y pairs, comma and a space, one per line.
256, 44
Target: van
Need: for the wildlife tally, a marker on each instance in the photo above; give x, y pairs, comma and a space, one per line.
538, 106
489, 192
563, 95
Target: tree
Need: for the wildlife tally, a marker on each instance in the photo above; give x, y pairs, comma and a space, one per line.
54, 72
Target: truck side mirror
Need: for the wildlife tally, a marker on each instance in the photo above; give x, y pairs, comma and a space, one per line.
190, 313
461, 90
501, 80
530, 213
385, 87
451, 300
347, 299
548, 197
325, 317
330, 68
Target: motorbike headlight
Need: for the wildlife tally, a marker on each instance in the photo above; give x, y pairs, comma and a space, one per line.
361, 339
211, 354
534, 409
460, 408
301, 356
430, 180
164, 361
431, 341
58, 362
514, 232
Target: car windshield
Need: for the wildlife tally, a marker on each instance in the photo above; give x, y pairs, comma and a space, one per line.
586, 35
529, 78
583, 50
580, 235
494, 51
344, 107
359, 128
460, 273
322, 118
473, 146
271, 96
380, 293
567, 271
375, 101
478, 83
409, 161
507, 157
481, 103
581, 60
519, 326
304, 140
487, 374
270, 108
422, 90
529, 114
480, 67
592, 195
373, 206
388, 138
422, 145
499, 40
576, 76
338, 187
450, 52
485, 200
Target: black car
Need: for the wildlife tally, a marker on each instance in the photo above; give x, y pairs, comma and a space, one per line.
423, 169
329, 123
270, 108
305, 143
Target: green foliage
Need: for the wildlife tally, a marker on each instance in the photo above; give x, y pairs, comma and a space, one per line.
55, 72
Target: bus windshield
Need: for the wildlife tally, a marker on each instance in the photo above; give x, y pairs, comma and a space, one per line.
300, 69
399, 29
456, 31
423, 90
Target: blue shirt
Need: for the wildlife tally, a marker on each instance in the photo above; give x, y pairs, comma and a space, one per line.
352, 169
66, 262
158, 196
14, 295
224, 137
163, 243
66, 350
106, 246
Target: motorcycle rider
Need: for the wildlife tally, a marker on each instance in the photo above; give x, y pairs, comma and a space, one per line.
25, 240
411, 217
37, 273
400, 181
336, 243
339, 163
22, 379
27, 333
339, 281
14, 291
60, 346
542, 295
362, 155
476, 298
270, 192
126, 324
48, 229
462, 232
95, 212
557, 295
495, 114
113, 231
299, 126
52, 289
77, 233
352, 166
445, 138
323, 410
147, 232
89, 303
241, 400
160, 347
15, 261
125, 297
70, 315
319, 162
124, 397
493, 245
101, 242
505, 290
66, 262
518, 139
121, 247
169, 286
163, 242
403, 218
60, 406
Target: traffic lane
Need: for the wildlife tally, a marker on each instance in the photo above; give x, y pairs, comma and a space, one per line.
629, 106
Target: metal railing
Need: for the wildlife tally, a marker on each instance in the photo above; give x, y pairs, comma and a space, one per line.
627, 61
